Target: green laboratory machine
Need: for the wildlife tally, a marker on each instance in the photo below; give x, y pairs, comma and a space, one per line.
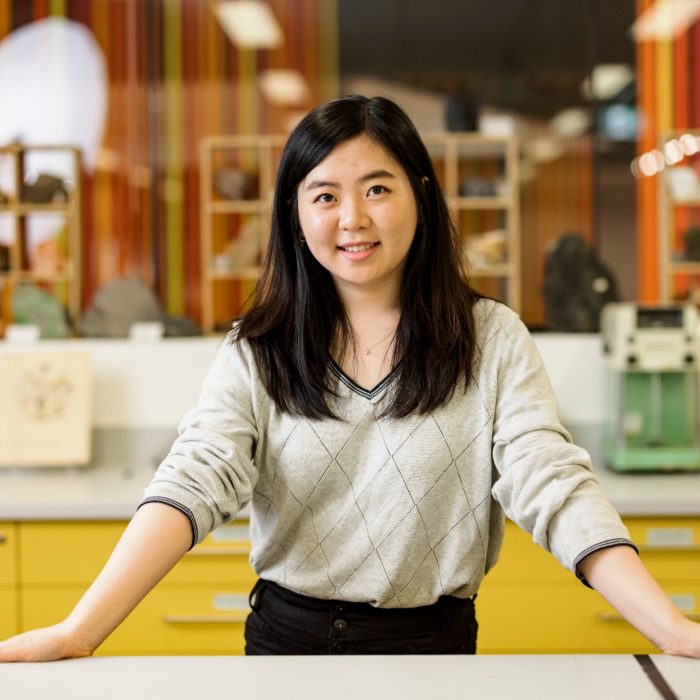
651, 359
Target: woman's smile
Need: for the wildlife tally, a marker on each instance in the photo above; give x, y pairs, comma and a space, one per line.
358, 251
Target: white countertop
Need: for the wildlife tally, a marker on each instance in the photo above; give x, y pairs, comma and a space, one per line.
639, 494
574, 677
124, 460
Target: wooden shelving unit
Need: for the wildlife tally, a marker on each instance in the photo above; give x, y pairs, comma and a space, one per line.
457, 157
19, 211
673, 261
224, 220
461, 158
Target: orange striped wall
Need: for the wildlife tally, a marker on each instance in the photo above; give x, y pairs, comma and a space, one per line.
668, 99
174, 78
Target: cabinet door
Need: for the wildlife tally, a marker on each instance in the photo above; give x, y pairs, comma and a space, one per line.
199, 608
187, 620
530, 604
552, 619
8, 611
8, 551
66, 552
669, 547
522, 561
221, 558
74, 552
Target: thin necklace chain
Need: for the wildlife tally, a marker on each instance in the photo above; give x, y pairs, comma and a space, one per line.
369, 348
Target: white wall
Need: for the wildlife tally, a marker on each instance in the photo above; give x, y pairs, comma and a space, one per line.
147, 384
155, 384
574, 362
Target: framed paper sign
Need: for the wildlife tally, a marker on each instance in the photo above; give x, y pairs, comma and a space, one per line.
45, 408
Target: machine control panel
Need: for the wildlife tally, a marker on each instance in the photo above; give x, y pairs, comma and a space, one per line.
651, 338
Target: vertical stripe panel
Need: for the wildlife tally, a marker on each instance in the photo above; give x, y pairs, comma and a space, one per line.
680, 217
173, 155
57, 8
647, 207
695, 76
190, 40
174, 77
103, 184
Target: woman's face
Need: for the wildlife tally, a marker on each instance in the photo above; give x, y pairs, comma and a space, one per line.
359, 215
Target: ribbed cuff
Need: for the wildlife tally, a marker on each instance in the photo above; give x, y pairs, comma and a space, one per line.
178, 506
596, 547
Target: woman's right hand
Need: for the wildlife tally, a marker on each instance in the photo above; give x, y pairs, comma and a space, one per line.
44, 644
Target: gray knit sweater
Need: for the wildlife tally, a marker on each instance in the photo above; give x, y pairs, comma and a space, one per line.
393, 512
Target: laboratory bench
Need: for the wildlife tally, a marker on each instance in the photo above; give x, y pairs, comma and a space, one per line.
58, 526
574, 677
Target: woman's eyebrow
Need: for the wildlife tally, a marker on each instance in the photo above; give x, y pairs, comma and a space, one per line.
375, 174
314, 184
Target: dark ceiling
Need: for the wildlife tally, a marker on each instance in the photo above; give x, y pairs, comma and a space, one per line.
526, 55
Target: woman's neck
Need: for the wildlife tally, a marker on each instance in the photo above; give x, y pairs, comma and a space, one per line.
373, 319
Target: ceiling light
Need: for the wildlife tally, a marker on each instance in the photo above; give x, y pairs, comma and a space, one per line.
250, 24
606, 80
665, 19
284, 87
573, 121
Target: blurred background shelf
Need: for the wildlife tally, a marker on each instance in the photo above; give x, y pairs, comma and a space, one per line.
59, 270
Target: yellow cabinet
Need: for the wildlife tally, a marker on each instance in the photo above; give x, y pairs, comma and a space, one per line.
8, 611
527, 604
187, 620
8, 583
530, 604
669, 547
8, 553
60, 553
199, 608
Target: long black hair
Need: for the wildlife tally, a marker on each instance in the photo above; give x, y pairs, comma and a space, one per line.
296, 313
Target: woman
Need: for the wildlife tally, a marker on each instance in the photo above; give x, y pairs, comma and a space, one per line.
379, 417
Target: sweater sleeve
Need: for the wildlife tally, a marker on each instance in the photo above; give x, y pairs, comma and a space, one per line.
545, 483
209, 473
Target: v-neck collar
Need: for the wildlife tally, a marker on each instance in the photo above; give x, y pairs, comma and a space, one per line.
354, 386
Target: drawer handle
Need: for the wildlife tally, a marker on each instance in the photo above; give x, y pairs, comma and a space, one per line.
219, 551
3, 538
616, 617
232, 618
669, 548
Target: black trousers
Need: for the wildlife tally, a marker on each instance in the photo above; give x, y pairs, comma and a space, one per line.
284, 622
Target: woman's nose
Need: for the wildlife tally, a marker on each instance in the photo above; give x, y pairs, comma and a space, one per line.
353, 214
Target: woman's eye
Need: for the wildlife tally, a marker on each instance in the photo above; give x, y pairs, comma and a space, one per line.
376, 189
324, 198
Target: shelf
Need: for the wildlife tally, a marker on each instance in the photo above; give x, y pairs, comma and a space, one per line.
236, 207
243, 273
462, 203
685, 267
29, 209
69, 229
31, 275
501, 270
692, 202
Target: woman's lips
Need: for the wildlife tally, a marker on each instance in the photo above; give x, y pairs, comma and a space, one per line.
358, 251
